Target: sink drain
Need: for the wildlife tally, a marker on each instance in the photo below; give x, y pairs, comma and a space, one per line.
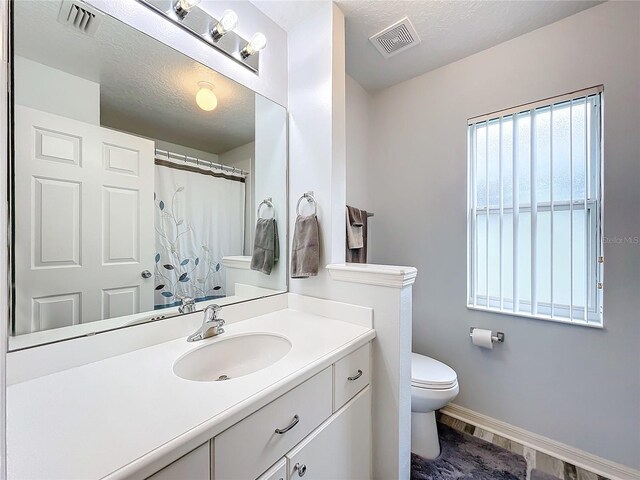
222, 377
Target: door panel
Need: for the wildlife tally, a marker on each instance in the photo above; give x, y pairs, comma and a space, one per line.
117, 302
121, 160
57, 147
121, 225
56, 311
56, 225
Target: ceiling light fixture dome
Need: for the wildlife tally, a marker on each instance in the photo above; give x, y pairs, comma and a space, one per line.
205, 98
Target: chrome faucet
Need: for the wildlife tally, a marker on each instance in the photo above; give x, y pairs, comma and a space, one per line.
188, 305
211, 326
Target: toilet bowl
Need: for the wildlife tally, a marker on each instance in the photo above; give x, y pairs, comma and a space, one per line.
433, 385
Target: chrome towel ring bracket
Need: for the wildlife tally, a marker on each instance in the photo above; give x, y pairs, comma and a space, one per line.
269, 203
311, 199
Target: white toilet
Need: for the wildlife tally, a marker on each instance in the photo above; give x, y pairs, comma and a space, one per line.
433, 385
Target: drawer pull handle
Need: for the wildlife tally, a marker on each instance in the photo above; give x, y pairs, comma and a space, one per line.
356, 376
295, 421
301, 468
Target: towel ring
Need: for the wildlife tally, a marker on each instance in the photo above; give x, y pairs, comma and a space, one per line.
310, 198
269, 203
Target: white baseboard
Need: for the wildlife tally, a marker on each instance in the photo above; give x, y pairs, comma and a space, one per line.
568, 454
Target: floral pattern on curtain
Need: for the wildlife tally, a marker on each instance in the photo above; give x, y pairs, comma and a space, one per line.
199, 219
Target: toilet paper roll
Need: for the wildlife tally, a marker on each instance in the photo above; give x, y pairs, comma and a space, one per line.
482, 338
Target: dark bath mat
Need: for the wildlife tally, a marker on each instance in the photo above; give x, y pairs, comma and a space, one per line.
464, 456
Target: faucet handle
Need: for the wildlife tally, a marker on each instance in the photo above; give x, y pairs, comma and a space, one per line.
187, 304
211, 312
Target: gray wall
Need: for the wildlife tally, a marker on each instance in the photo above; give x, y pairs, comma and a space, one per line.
576, 385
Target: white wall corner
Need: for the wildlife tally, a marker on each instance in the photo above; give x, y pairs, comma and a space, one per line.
369, 274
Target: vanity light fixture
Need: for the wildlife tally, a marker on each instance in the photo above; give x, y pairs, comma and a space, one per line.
217, 33
227, 22
205, 98
182, 7
257, 43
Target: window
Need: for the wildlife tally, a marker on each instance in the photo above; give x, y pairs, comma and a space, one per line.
534, 210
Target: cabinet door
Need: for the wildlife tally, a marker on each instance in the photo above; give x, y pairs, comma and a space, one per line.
340, 449
193, 466
277, 472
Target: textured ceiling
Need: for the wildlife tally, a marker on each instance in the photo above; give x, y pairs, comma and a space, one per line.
146, 87
449, 30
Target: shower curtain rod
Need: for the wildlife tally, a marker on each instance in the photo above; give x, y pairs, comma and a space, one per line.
198, 161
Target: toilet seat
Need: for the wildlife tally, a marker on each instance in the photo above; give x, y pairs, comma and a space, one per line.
431, 374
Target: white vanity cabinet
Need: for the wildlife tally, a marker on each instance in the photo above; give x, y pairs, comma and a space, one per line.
320, 429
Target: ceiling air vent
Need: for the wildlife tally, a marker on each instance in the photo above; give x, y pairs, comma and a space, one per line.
395, 39
80, 17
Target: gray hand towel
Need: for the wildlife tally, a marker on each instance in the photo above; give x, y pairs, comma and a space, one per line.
358, 255
266, 247
305, 249
354, 228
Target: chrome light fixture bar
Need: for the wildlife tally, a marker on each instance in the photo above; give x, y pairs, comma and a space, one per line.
217, 33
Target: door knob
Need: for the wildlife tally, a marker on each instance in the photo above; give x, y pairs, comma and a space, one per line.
146, 274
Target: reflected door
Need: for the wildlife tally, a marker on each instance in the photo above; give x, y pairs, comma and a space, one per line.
85, 204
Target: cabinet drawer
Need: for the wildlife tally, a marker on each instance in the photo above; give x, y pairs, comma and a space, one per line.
351, 374
193, 466
277, 472
248, 448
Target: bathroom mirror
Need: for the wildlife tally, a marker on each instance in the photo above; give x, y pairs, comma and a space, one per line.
137, 177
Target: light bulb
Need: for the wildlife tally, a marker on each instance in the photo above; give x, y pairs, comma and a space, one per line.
205, 98
182, 7
227, 22
257, 43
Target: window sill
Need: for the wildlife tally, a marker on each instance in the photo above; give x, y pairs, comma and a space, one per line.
546, 318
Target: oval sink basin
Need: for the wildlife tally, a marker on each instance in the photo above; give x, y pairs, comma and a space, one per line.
232, 357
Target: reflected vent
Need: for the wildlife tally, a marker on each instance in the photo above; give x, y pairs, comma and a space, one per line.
395, 39
80, 17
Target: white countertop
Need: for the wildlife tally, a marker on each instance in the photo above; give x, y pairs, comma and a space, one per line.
116, 417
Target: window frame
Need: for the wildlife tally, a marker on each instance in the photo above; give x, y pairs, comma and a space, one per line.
594, 205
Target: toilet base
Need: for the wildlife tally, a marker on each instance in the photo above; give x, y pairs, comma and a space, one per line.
424, 435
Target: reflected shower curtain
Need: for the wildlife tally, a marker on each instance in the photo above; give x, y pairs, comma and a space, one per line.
199, 218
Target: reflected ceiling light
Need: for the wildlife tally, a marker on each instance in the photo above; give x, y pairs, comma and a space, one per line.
205, 98
257, 43
227, 22
182, 7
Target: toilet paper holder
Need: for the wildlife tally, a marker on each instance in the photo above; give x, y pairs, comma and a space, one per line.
497, 338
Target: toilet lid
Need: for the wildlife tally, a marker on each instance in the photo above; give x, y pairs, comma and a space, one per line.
429, 373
